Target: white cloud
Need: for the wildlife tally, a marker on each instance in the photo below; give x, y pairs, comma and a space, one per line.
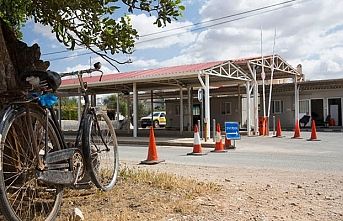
54, 46
309, 32
182, 59
151, 36
143, 63
34, 41
44, 30
72, 56
329, 64
191, 2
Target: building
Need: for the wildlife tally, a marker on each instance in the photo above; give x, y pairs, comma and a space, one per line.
233, 90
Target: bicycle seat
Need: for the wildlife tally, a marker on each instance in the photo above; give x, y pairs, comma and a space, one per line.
49, 79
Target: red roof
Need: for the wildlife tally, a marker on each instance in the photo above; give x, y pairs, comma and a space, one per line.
147, 73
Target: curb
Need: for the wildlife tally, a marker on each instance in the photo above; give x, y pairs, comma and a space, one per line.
164, 143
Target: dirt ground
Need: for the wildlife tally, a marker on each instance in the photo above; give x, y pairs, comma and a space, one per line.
245, 194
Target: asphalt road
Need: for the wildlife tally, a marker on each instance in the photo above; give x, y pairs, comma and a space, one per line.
257, 152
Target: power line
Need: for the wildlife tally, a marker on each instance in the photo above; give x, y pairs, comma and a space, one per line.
216, 24
220, 18
283, 4
58, 52
72, 56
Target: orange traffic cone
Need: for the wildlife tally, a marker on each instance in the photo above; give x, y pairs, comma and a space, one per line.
197, 148
313, 132
228, 145
152, 152
219, 143
278, 129
297, 130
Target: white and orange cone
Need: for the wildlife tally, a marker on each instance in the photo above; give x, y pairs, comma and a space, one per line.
197, 148
219, 143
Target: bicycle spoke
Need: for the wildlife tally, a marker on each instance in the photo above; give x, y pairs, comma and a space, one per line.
102, 150
27, 198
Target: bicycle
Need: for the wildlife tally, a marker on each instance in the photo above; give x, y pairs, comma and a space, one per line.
37, 162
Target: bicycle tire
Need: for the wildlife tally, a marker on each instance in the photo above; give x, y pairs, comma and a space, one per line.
101, 164
22, 195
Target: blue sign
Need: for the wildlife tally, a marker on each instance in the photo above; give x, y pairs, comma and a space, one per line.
232, 131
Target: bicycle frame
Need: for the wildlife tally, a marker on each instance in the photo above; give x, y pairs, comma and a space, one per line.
87, 107
51, 116
36, 157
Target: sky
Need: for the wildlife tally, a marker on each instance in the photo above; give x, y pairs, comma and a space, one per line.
306, 32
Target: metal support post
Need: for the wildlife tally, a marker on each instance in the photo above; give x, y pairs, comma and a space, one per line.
199, 128
214, 130
273, 125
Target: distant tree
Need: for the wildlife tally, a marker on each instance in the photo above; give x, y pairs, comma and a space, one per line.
87, 23
159, 108
142, 109
111, 103
69, 108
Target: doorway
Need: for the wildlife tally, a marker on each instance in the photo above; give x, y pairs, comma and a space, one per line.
196, 114
317, 112
304, 109
335, 110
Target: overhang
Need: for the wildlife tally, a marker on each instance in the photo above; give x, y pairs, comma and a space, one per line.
222, 73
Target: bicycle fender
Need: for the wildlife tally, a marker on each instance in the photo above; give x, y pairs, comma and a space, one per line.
6, 113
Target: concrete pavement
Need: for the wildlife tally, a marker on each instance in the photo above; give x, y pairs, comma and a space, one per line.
168, 137
162, 138
163, 141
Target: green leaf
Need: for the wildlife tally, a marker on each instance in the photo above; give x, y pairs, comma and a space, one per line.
90, 23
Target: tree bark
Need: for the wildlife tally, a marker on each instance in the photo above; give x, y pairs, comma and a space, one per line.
16, 58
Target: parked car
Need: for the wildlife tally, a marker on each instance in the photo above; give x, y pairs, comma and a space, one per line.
159, 120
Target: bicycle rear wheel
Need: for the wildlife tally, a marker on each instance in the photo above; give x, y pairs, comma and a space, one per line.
101, 150
22, 195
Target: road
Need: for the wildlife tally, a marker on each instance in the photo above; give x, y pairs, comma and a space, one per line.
257, 152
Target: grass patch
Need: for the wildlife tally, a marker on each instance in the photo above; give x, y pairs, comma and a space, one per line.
164, 180
141, 194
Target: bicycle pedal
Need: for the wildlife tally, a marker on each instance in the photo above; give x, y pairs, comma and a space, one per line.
88, 185
56, 176
60, 155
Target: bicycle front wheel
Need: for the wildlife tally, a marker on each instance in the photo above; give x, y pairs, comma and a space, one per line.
22, 195
101, 150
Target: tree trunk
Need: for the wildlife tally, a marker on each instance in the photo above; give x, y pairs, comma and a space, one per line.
16, 58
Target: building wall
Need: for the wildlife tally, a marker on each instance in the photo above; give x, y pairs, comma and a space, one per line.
217, 112
326, 95
287, 116
173, 113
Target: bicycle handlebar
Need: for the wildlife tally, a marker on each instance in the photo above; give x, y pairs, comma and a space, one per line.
81, 72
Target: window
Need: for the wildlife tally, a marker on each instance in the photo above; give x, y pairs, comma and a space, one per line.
304, 106
196, 110
277, 107
225, 108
